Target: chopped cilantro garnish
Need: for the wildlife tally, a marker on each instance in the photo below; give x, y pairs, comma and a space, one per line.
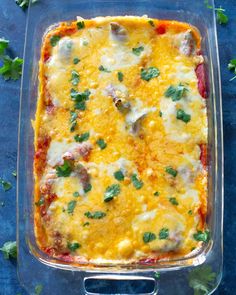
86, 223
81, 137
88, 188
73, 117
221, 17
73, 125
54, 40
76, 194
173, 201
190, 212
171, 171
3, 45
64, 170
11, 68
150, 21
6, 185
71, 206
149, 73
164, 233
148, 237
157, 275
138, 184
76, 60
80, 99
73, 246
119, 175
9, 250
102, 69
202, 236
24, 4
138, 50
120, 76
176, 92
232, 67
101, 143
156, 194
111, 191
40, 202
14, 173
95, 215
80, 25
75, 78
160, 113
181, 115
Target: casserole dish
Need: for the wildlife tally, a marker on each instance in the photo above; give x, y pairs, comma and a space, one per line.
60, 274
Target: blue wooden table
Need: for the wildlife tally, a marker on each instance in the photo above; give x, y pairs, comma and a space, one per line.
12, 27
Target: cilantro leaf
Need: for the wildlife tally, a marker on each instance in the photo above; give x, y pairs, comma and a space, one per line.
138, 50
120, 76
156, 194
181, 115
95, 215
24, 4
3, 45
202, 280
80, 25
157, 275
75, 78
232, 67
80, 98
73, 246
64, 170
76, 194
101, 143
76, 60
202, 236
164, 233
71, 206
148, 237
102, 69
173, 201
171, 171
5, 185
54, 40
111, 191
221, 17
9, 250
149, 73
40, 202
88, 188
138, 184
81, 137
176, 92
119, 175
14, 173
12, 68
150, 21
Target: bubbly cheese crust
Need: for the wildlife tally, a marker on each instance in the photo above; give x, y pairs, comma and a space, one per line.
120, 175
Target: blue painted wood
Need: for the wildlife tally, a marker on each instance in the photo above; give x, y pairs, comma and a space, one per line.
12, 27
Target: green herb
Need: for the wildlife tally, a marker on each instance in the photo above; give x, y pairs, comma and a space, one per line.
148, 237
157, 275
138, 184
232, 67
3, 45
202, 280
64, 170
14, 173
38, 289
82, 137
75, 78
150, 21
9, 250
156, 194
71, 206
173, 201
72, 126
40, 202
171, 171
119, 175
12, 68
73, 246
95, 215
160, 113
181, 115
102, 69
24, 4
76, 60
80, 25
88, 188
190, 212
101, 143
138, 50
120, 76
80, 98
5, 185
176, 92
111, 191
54, 40
202, 236
73, 117
164, 233
220, 16
86, 223
76, 194
149, 73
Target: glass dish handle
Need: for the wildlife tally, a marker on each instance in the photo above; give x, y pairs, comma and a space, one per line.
118, 279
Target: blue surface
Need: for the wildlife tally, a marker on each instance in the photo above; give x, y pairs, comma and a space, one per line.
12, 27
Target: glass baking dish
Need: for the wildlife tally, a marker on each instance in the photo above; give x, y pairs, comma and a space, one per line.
63, 278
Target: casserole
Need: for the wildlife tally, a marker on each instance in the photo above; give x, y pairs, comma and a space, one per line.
214, 219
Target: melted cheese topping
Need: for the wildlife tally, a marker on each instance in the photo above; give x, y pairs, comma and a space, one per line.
143, 140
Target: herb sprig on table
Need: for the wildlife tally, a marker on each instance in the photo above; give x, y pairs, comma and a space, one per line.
221, 17
24, 4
